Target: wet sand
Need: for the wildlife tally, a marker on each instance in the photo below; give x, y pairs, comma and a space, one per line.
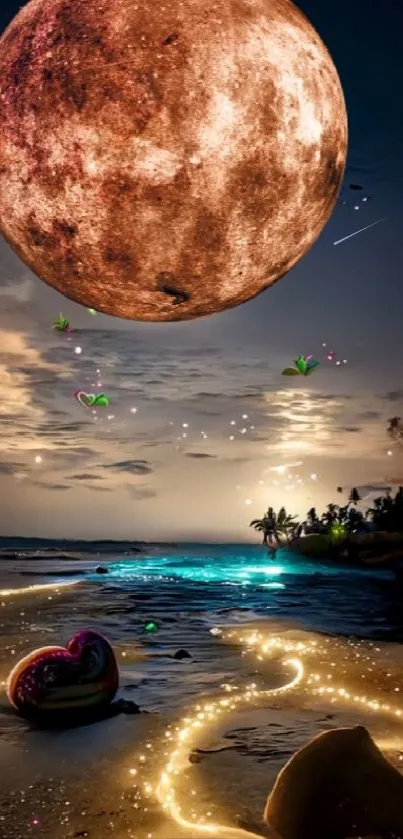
78, 783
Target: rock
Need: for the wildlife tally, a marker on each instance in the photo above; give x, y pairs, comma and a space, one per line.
126, 706
181, 654
338, 785
100, 569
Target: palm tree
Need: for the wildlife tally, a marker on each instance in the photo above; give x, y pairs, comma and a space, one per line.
355, 521
331, 516
354, 496
274, 526
339, 515
387, 512
267, 526
312, 523
286, 524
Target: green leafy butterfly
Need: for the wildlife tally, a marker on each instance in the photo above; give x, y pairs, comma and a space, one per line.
304, 366
61, 324
101, 399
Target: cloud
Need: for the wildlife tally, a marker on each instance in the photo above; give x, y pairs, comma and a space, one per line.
393, 396
368, 415
140, 493
51, 486
98, 489
135, 467
368, 489
84, 476
351, 429
21, 292
200, 455
9, 468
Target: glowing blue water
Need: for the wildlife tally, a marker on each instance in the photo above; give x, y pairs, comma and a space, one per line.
214, 582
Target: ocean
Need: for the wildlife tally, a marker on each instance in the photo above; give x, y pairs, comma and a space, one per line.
209, 584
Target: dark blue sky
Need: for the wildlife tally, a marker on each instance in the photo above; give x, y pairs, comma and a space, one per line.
128, 478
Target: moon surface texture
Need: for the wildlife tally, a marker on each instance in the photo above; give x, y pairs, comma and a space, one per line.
164, 161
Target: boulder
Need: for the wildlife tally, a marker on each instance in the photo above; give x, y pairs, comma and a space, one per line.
339, 785
181, 654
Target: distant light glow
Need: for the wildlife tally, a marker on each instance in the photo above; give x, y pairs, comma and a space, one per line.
38, 459
78, 350
13, 592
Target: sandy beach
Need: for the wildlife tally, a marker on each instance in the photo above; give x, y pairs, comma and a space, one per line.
102, 779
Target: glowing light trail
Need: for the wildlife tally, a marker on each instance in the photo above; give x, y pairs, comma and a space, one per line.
209, 713
339, 241
204, 715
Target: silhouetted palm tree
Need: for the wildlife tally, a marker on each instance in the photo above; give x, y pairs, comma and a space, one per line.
286, 523
354, 496
330, 517
312, 523
355, 521
386, 513
267, 526
274, 526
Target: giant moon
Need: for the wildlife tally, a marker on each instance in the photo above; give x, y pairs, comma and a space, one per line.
161, 161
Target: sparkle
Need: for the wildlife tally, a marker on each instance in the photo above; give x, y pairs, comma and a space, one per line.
182, 738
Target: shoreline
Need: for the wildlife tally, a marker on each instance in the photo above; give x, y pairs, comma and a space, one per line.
77, 783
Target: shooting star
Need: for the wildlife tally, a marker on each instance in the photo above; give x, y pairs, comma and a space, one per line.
339, 241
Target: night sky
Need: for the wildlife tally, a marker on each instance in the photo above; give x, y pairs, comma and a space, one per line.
131, 473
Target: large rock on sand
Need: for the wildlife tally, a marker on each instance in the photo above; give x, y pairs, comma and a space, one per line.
339, 785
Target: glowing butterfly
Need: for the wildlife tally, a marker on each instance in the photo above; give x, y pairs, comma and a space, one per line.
101, 399
304, 366
61, 324
88, 400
